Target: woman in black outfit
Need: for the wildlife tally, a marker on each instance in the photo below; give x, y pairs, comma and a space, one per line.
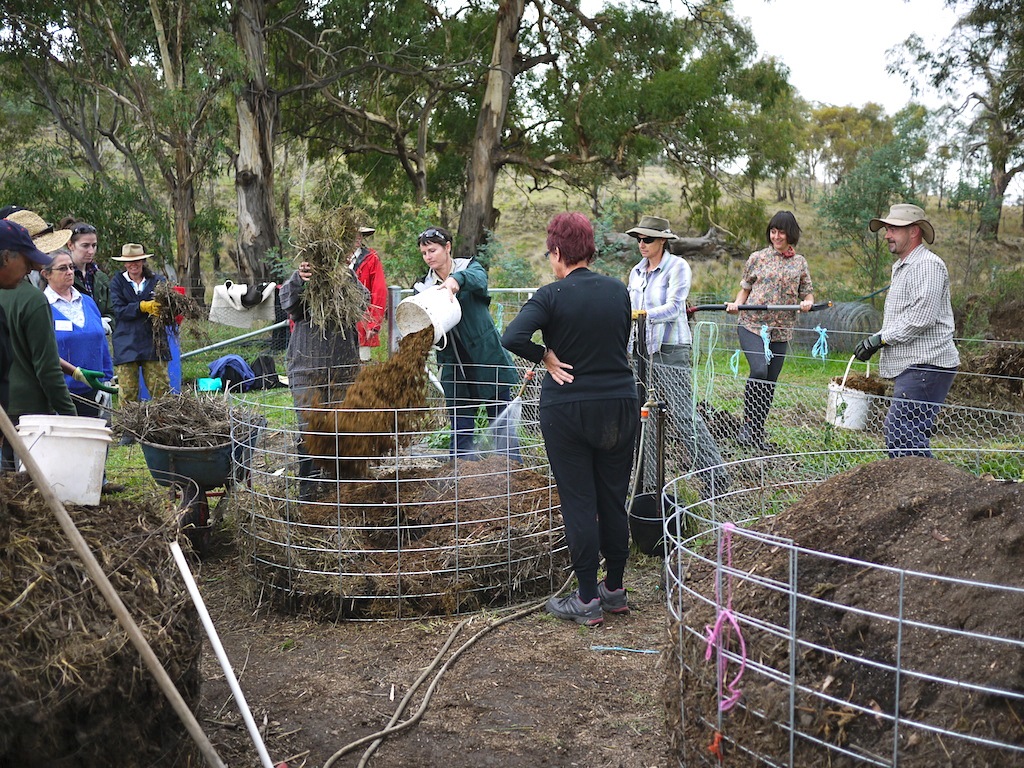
588, 411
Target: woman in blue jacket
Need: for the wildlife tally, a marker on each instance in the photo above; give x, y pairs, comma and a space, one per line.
135, 311
78, 328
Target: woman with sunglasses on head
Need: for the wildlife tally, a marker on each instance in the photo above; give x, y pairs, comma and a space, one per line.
475, 369
658, 287
77, 326
90, 280
774, 275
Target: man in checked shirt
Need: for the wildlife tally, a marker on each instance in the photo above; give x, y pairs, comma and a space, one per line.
917, 333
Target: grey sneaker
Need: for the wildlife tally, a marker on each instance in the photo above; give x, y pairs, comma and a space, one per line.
571, 608
612, 601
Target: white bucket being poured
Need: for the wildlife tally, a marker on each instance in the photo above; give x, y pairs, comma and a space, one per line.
71, 451
433, 307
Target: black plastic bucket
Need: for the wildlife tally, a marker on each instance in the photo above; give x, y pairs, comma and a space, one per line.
647, 525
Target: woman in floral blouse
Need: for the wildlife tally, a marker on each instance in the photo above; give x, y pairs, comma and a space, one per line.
774, 275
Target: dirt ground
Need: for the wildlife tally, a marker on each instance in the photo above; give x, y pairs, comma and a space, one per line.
534, 691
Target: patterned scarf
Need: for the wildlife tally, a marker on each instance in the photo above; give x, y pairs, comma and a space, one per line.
788, 253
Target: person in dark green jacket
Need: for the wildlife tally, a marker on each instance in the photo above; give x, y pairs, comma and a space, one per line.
475, 369
36, 381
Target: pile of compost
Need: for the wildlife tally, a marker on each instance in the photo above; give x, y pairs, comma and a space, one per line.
427, 541
183, 421
913, 514
74, 689
999, 384
377, 416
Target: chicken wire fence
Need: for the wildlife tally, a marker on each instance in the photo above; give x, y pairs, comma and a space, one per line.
814, 406
793, 656
378, 519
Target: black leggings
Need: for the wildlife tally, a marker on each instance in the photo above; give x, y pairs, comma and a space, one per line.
760, 390
590, 448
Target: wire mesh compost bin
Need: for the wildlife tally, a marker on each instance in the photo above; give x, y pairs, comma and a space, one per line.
850, 610
364, 513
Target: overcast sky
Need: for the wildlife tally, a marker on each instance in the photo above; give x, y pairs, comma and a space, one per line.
835, 49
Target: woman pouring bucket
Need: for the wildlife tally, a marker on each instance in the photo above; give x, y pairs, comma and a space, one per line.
475, 370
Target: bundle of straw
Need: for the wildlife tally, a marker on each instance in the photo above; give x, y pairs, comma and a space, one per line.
335, 299
172, 306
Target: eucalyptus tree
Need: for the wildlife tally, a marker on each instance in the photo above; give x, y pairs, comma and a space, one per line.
433, 102
143, 79
981, 65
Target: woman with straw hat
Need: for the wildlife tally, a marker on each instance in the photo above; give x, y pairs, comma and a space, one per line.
658, 286
135, 310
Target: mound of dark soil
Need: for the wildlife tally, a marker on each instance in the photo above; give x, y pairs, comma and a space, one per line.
912, 514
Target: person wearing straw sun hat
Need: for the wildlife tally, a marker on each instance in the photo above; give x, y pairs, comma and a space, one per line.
135, 311
34, 377
916, 339
658, 286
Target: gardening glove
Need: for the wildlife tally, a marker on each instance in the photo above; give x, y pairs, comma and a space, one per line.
867, 347
92, 379
150, 307
107, 327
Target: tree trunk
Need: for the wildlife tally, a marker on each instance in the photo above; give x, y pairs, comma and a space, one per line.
478, 205
999, 180
257, 109
184, 203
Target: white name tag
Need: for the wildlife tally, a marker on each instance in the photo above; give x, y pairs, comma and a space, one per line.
63, 325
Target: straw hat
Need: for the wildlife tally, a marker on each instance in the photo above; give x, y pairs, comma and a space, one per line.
46, 238
653, 226
132, 252
903, 215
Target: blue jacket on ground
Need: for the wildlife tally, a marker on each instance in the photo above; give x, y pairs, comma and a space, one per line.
132, 338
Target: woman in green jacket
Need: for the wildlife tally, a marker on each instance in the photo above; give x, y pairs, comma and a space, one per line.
475, 369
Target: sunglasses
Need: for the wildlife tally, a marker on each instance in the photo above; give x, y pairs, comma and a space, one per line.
83, 229
65, 268
647, 240
433, 234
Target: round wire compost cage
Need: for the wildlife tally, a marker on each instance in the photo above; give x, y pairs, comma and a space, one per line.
843, 608
369, 513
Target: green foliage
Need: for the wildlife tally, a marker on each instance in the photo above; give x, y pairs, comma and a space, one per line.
866, 193
110, 206
505, 268
746, 219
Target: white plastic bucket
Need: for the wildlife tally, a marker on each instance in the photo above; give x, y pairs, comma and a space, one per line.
848, 408
433, 307
71, 451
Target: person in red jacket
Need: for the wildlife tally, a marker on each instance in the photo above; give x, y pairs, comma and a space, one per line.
366, 264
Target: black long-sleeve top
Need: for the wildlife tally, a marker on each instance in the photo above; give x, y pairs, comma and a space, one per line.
585, 319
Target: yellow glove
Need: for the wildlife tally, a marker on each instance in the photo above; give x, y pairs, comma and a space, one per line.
150, 307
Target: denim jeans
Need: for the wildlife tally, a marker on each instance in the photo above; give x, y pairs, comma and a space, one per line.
918, 393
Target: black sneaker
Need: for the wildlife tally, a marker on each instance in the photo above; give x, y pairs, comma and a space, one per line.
612, 600
571, 608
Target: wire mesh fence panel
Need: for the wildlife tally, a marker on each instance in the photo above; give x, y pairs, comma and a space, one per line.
368, 513
846, 612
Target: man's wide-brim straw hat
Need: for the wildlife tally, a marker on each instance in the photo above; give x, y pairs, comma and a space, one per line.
132, 252
46, 238
903, 215
652, 226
